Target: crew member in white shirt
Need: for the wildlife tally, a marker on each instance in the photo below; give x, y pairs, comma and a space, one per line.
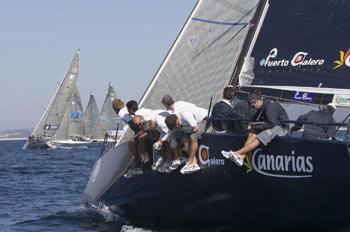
184, 126
183, 106
121, 110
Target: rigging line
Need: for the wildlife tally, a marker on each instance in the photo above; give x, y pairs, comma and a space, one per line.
250, 22
234, 36
209, 109
342, 123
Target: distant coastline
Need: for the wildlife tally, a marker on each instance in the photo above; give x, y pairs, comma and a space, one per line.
9, 139
15, 134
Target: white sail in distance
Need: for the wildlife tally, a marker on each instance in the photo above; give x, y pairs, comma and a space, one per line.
91, 116
77, 125
108, 119
51, 118
72, 125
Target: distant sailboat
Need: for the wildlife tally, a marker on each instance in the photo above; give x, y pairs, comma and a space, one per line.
72, 127
91, 117
108, 120
50, 120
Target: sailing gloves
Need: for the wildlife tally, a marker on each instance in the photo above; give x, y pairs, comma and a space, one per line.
157, 146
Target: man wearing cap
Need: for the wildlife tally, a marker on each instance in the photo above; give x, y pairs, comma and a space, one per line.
268, 123
317, 130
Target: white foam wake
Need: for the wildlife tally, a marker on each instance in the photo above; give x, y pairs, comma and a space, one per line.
126, 228
105, 212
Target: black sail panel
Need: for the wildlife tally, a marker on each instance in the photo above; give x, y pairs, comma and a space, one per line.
304, 44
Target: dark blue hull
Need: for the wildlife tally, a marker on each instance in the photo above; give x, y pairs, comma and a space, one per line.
273, 190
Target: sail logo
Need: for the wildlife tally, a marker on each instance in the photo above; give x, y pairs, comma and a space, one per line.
344, 58
204, 158
299, 59
50, 127
75, 115
281, 166
193, 41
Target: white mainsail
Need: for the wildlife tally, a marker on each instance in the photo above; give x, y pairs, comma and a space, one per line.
203, 57
51, 118
91, 116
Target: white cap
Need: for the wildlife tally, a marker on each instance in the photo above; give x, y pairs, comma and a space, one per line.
332, 105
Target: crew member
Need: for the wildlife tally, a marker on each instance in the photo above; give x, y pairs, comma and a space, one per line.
316, 130
268, 124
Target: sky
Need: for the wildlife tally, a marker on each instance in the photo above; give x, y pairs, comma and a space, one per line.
122, 42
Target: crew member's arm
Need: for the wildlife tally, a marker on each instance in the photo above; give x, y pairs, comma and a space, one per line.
299, 124
271, 113
331, 130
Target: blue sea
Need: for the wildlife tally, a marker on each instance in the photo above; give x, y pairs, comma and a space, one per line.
42, 190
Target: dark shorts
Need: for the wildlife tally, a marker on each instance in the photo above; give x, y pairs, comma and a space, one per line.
178, 135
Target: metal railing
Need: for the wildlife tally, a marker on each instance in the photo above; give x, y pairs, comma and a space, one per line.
339, 125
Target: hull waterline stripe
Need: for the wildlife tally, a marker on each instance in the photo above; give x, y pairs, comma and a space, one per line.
220, 23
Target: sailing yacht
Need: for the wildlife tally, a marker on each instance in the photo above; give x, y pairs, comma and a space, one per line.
50, 120
289, 50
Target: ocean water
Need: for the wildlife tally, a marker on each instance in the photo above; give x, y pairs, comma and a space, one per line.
42, 190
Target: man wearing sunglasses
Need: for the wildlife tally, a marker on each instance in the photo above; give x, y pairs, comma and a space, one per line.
268, 123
